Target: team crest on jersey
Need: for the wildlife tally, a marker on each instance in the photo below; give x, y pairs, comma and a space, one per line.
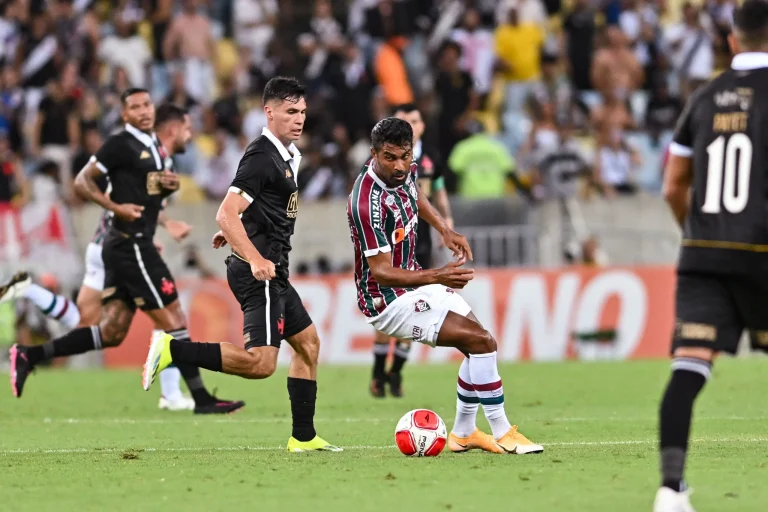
421, 306
389, 201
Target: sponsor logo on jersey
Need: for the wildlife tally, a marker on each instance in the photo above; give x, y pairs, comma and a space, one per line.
144, 155
416, 333
153, 183
421, 306
376, 213
399, 234
741, 97
293, 206
697, 331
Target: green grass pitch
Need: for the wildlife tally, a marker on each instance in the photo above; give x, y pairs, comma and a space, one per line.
94, 440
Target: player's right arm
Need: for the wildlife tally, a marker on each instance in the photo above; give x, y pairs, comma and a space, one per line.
86, 181
678, 174
252, 175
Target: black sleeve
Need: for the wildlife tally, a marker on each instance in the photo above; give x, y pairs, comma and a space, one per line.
255, 171
682, 142
108, 157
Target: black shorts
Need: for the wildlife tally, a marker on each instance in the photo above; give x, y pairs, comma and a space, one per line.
270, 313
713, 311
135, 273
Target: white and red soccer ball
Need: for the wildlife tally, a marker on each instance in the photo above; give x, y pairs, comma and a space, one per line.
421, 433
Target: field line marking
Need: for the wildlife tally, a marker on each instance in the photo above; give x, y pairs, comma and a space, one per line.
194, 421
356, 447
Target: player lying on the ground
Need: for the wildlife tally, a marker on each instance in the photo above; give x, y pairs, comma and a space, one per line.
257, 218
408, 303
715, 184
135, 274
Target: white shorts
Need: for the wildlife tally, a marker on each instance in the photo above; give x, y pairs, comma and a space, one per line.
419, 314
94, 268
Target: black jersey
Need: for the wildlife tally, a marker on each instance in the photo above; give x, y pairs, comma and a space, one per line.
723, 130
266, 177
134, 160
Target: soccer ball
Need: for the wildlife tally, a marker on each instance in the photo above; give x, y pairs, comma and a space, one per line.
420, 433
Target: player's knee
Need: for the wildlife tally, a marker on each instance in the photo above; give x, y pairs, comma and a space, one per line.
482, 343
261, 368
112, 335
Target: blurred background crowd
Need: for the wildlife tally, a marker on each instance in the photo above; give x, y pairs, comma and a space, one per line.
524, 100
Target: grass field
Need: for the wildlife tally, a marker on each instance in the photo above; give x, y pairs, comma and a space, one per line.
95, 441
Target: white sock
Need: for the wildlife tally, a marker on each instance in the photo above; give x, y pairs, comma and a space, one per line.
466, 403
487, 384
170, 381
57, 307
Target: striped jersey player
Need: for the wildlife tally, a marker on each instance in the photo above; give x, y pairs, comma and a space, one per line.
404, 301
391, 221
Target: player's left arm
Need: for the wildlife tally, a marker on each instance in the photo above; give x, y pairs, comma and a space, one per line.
179, 230
455, 242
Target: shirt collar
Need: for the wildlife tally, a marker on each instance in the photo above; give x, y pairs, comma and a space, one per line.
287, 154
748, 61
376, 178
145, 138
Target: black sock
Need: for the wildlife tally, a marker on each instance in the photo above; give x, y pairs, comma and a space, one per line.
189, 357
688, 378
303, 395
79, 341
380, 352
402, 348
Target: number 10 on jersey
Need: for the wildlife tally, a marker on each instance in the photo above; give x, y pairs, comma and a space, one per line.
725, 180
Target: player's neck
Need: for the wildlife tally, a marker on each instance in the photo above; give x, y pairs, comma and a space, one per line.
166, 143
286, 142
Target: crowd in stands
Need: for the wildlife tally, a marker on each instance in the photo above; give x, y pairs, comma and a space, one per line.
509, 88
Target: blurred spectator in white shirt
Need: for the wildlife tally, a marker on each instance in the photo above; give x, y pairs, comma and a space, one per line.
255, 22
477, 50
216, 172
528, 11
128, 50
690, 51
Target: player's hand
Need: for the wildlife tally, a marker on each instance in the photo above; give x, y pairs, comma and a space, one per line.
218, 240
457, 244
128, 212
262, 269
449, 223
177, 229
169, 180
453, 276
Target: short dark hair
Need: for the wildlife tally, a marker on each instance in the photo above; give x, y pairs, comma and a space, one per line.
130, 92
169, 112
750, 23
392, 130
284, 89
405, 108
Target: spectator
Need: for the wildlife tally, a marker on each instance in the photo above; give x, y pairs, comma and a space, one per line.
14, 193
255, 22
689, 45
255, 120
544, 136
126, 49
556, 169
227, 108
179, 94
553, 87
92, 141
529, 12
57, 131
615, 67
324, 26
482, 165
662, 111
477, 50
160, 14
457, 96
190, 40
640, 23
216, 174
353, 82
518, 46
579, 35
11, 107
614, 165
37, 62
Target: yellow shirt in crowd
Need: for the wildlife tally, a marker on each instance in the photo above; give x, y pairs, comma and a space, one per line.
520, 48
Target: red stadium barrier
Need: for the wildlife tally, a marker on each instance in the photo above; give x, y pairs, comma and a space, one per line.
534, 315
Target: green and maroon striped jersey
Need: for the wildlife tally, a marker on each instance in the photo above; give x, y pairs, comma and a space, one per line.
381, 219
